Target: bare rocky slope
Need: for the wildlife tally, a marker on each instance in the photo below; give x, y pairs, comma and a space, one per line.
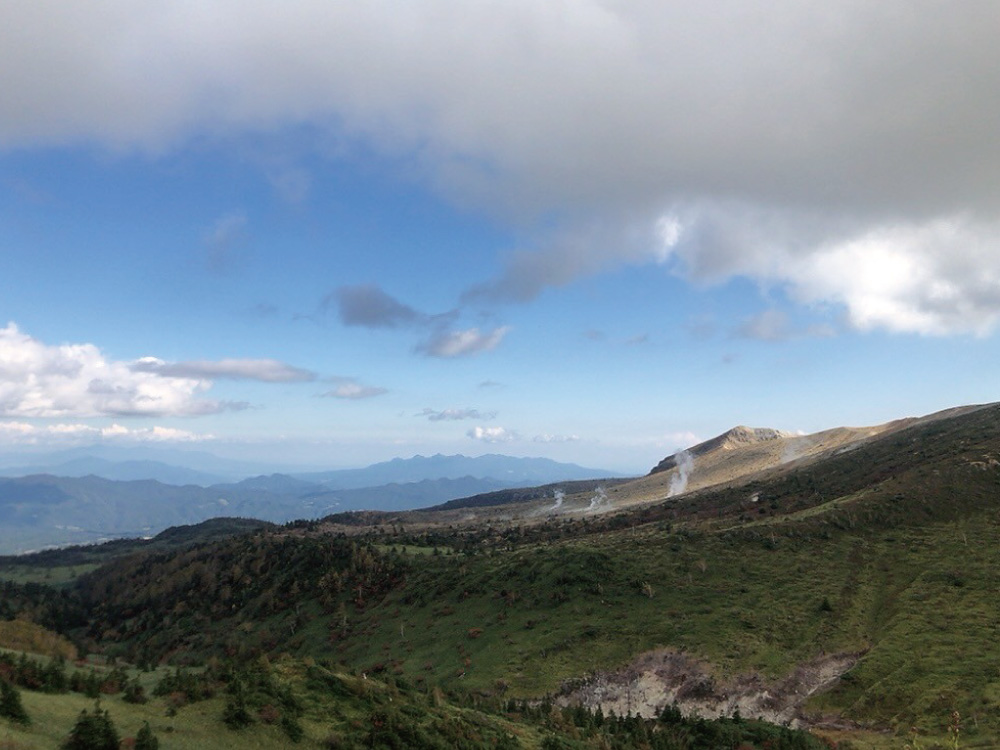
735, 456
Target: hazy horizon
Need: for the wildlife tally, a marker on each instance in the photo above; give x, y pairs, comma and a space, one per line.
598, 233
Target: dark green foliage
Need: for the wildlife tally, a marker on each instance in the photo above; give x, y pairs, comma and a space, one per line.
55, 609
92, 731
88, 683
670, 731
237, 715
33, 674
254, 689
194, 686
145, 739
10, 704
257, 578
291, 727
134, 692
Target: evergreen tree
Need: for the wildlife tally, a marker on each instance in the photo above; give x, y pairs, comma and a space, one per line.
237, 714
93, 732
134, 692
146, 740
10, 704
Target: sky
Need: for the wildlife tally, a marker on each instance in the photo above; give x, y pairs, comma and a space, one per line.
332, 233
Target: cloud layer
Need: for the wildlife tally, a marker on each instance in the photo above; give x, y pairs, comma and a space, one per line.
24, 433
38, 380
845, 152
263, 370
76, 380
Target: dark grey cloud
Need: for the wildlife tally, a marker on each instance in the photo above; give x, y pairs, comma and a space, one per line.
367, 305
263, 370
822, 148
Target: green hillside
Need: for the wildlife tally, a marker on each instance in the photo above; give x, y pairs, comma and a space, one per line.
883, 561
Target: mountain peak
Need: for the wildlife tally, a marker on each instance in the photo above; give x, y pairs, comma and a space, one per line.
737, 437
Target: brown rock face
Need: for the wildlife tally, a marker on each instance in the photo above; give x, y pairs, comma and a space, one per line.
734, 438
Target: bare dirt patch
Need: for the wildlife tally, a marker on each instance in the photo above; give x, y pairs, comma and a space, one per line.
660, 678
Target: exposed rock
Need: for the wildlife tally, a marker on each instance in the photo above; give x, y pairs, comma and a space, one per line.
737, 437
658, 679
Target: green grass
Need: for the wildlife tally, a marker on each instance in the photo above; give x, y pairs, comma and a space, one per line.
918, 600
413, 549
891, 551
332, 704
54, 576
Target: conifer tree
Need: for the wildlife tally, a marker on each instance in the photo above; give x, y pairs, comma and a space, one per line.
92, 732
10, 704
146, 740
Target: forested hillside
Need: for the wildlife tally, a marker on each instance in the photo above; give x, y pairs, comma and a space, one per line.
856, 592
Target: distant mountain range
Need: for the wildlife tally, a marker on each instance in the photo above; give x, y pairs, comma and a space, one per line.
112, 462
124, 471
510, 471
82, 499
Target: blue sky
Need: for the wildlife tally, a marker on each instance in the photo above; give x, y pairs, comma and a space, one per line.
332, 233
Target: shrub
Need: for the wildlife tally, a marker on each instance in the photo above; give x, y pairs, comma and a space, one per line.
146, 740
10, 704
92, 732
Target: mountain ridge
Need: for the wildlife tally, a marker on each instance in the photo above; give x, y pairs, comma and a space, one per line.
864, 571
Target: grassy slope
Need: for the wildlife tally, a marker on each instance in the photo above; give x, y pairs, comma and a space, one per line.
333, 704
909, 566
899, 538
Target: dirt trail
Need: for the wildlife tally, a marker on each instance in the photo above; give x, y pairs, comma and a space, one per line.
658, 679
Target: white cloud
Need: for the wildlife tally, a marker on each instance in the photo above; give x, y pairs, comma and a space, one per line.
264, 370
76, 380
493, 435
462, 343
351, 389
857, 130
455, 414
555, 438
24, 433
936, 277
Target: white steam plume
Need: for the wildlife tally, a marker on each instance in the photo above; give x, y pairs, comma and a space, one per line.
559, 497
598, 501
679, 481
